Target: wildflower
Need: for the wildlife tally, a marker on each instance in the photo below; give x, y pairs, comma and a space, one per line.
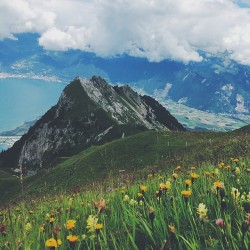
168, 185
51, 220
175, 176
188, 183
143, 188
162, 186
126, 198
42, 228
28, 227
235, 193
207, 173
139, 196
53, 243
92, 237
171, 229
151, 215
248, 197
70, 202
98, 227
91, 223
236, 160
219, 184
70, 224
158, 193
220, 223
194, 176
150, 176
202, 211
221, 165
57, 228
3, 229
216, 171
72, 238
100, 205
237, 170
141, 203
186, 193
178, 168
84, 236
133, 202
227, 167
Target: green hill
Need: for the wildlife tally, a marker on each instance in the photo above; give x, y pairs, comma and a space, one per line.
133, 154
245, 129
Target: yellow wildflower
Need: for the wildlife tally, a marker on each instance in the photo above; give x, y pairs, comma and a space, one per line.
70, 224
99, 226
91, 223
219, 184
186, 193
28, 227
188, 183
53, 243
72, 238
175, 176
194, 176
143, 188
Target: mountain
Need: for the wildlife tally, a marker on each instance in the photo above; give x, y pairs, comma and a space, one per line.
216, 85
20, 130
89, 112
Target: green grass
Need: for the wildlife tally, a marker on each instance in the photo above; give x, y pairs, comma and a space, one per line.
129, 222
134, 154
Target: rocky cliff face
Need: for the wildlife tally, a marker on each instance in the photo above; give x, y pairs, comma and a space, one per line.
89, 112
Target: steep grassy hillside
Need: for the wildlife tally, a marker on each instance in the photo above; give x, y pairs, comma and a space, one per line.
134, 154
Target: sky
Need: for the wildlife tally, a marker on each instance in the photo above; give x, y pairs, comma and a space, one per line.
152, 29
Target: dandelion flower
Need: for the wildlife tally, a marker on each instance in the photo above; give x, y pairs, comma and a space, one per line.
175, 176
186, 193
188, 183
70, 224
53, 243
143, 188
219, 184
72, 238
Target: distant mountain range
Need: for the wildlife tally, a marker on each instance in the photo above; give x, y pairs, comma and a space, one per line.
216, 85
89, 112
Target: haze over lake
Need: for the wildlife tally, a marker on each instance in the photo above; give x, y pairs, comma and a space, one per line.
25, 99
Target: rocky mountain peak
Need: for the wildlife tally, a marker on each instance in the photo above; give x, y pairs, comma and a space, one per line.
89, 112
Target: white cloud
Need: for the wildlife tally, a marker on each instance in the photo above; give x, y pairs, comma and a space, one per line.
155, 29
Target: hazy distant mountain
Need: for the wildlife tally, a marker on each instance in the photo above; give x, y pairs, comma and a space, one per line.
89, 112
217, 84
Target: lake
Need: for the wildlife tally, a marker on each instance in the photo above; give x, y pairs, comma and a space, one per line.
25, 99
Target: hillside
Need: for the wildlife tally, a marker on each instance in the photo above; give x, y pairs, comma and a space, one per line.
89, 112
245, 129
136, 154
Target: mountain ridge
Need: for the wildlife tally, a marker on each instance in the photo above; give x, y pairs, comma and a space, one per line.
89, 112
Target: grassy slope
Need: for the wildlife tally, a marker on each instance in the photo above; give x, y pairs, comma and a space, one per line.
135, 153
